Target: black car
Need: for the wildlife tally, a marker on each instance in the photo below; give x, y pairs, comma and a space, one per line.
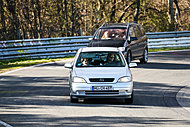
130, 37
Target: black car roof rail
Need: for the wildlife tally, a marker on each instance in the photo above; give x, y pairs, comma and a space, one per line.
111, 23
133, 22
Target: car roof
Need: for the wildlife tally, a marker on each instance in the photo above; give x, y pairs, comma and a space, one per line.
113, 25
117, 25
98, 49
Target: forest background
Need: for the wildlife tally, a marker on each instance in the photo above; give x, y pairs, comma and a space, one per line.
27, 19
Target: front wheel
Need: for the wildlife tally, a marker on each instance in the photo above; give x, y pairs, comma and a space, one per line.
73, 100
145, 57
129, 100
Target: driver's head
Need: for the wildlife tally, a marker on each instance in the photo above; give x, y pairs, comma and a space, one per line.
111, 57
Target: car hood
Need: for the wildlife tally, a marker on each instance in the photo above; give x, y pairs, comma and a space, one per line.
102, 72
106, 43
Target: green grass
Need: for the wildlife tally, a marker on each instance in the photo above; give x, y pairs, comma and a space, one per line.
167, 49
19, 63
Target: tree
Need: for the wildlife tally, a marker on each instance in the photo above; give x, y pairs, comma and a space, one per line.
171, 13
137, 11
126, 10
12, 5
113, 11
3, 30
22, 19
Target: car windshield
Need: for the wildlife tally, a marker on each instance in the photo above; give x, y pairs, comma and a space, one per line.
109, 34
100, 59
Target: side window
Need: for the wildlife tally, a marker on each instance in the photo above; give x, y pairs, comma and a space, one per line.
138, 32
97, 34
132, 32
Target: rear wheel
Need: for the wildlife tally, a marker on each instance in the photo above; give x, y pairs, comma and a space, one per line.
145, 57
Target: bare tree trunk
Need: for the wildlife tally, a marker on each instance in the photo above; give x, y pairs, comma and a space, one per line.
63, 21
26, 13
178, 9
171, 16
11, 4
137, 11
3, 19
35, 31
102, 10
66, 18
39, 17
171, 11
60, 12
72, 17
125, 10
113, 11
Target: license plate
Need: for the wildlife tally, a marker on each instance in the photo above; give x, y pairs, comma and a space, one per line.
94, 88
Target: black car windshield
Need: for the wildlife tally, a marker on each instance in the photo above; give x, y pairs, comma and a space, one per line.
100, 59
113, 33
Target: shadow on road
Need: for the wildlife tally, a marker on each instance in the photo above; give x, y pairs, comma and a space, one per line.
54, 91
168, 66
31, 92
99, 121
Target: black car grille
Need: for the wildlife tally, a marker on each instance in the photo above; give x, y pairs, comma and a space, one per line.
101, 79
102, 92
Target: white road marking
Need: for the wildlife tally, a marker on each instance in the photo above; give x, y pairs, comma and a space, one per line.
8, 72
5, 124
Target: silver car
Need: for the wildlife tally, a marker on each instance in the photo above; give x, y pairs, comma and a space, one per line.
100, 72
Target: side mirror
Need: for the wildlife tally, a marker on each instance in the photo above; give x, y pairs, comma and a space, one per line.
132, 65
68, 65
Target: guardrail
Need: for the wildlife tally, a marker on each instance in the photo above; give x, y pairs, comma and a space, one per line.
169, 39
42, 48
67, 46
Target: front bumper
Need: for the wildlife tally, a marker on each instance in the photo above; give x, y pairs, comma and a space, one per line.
84, 90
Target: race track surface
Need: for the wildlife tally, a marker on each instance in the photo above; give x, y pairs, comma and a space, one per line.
39, 97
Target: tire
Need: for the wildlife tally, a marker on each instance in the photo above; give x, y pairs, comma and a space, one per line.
128, 59
73, 100
129, 100
145, 57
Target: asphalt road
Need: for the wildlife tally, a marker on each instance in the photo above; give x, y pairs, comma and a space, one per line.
39, 97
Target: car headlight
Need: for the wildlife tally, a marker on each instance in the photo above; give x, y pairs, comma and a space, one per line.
125, 79
78, 79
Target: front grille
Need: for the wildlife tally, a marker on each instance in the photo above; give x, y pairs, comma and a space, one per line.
102, 92
101, 79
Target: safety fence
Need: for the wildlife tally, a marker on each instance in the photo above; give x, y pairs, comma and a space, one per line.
169, 39
67, 46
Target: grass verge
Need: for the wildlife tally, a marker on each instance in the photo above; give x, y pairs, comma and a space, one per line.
19, 63
16, 64
167, 49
